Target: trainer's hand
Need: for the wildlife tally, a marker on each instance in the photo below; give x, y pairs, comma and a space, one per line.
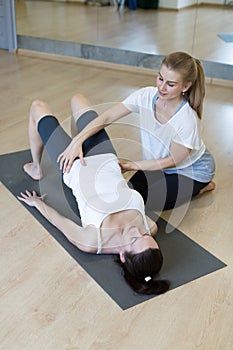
127, 166
66, 158
30, 198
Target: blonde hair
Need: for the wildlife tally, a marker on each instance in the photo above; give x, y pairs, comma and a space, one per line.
192, 71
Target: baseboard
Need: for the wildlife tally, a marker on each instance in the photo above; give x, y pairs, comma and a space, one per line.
109, 65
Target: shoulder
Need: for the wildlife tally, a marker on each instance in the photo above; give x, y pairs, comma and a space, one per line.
188, 111
143, 92
148, 90
186, 117
88, 240
152, 226
141, 98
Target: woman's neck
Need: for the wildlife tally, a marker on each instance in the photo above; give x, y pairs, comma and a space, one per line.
165, 109
114, 229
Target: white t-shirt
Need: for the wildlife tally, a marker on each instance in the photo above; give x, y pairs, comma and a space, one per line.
100, 189
183, 128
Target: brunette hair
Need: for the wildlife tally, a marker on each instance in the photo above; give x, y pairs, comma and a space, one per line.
139, 269
192, 71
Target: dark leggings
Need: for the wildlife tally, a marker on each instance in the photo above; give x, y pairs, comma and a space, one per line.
162, 191
56, 139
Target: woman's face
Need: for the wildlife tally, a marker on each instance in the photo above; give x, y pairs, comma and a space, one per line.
170, 84
139, 244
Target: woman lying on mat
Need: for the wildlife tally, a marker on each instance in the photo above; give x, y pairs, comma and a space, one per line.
113, 215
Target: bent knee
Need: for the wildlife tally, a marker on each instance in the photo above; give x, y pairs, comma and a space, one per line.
77, 99
38, 109
79, 104
38, 105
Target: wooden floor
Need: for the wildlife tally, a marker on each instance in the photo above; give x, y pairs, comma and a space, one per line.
47, 301
193, 29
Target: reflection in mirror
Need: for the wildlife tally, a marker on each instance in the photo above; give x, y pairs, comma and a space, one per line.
194, 29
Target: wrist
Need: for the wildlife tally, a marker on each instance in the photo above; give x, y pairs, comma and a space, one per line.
80, 138
37, 203
135, 166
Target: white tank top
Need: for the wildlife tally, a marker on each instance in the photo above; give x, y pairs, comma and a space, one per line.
100, 190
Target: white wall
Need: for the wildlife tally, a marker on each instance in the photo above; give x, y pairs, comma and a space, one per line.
178, 4
174, 4
216, 2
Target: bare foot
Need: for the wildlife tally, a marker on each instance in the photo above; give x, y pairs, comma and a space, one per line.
210, 187
33, 171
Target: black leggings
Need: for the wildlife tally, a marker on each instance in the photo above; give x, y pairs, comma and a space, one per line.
56, 139
162, 191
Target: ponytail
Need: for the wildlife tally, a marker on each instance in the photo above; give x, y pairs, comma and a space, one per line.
139, 269
192, 71
141, 286
196, 92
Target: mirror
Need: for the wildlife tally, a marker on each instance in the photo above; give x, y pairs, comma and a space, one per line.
194, 29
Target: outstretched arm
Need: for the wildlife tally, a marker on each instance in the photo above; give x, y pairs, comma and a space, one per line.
74, 149
177, 154
84, 239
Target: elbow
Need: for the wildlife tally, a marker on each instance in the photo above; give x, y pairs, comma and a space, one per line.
173, 162
170, 163
89, 250
84, 248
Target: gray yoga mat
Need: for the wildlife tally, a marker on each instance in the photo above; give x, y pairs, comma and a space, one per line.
184, 260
